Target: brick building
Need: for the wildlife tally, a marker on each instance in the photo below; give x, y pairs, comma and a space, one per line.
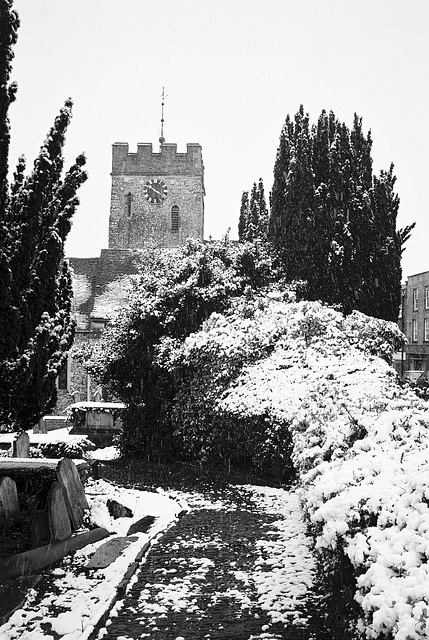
156, 198
414, 322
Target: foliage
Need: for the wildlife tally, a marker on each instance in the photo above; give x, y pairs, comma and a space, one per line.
35, 282
359, 444
176, 292
253, 219
332, 221
78, 448
218, 414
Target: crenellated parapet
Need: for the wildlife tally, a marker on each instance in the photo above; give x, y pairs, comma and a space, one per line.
165, 162
157, 197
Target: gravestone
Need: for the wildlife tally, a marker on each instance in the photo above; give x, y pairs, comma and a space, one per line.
74, 492
76, 396
9, 502
59, 519
21, 446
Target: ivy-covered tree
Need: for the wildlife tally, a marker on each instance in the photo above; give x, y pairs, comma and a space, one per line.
332, 221
36, 329
253, 220
176, 292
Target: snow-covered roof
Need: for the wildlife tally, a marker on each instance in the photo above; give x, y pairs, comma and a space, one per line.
97, 405
101, 285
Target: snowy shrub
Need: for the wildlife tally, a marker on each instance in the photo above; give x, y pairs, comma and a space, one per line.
76, 448
206, 365
174, 294
360, 448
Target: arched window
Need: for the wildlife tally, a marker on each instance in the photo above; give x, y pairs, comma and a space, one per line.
175, 219
128, 203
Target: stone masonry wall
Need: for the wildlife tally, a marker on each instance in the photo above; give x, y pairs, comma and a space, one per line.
131, 227
151, 223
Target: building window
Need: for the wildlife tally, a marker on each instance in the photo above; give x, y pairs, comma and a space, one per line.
175, 219
426, 329
129, 204
414, 330
426, 297
415, 299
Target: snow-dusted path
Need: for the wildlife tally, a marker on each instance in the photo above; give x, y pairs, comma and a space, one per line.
237, 566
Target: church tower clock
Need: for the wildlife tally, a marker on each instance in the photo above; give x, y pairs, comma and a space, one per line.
156, 198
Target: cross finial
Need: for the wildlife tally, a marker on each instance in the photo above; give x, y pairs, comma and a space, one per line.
162, 139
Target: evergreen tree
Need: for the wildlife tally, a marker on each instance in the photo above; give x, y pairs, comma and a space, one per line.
292, 199
243, 220
36, 329
253, 220
332, 221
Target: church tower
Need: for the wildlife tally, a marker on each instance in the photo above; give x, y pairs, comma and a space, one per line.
156, 198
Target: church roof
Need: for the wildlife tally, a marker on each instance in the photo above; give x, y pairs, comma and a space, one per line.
101, 285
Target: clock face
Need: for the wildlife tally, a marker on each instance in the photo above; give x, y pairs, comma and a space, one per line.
155, 191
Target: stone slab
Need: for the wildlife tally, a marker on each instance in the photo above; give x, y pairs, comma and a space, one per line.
9, 501
109, 551
21, 446
75, 498
142, 525
59, 518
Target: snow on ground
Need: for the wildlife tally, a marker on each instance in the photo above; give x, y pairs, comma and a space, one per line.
286, 569
361, 448
61, 435
282, 575
79, 598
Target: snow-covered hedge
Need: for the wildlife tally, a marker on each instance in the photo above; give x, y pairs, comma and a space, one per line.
360, 441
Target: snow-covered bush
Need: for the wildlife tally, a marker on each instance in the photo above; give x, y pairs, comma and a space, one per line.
174, 294
360, 444
78, 447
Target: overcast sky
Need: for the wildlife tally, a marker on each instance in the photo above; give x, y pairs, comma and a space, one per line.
232, 71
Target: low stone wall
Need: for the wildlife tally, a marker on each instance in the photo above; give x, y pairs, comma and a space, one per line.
51, 423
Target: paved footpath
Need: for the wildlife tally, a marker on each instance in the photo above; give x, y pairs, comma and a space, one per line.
237, 566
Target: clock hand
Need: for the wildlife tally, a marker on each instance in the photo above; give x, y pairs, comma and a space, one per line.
158, 192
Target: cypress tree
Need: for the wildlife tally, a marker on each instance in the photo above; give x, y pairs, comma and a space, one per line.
253, 220
332, 221
243, 220
36, 328
292, 199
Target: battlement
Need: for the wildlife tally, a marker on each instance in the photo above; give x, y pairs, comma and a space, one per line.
165, 162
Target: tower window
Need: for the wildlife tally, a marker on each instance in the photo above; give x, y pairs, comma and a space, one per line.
175, 219
129, 203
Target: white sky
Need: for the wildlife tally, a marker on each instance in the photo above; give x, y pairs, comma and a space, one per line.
232, 70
